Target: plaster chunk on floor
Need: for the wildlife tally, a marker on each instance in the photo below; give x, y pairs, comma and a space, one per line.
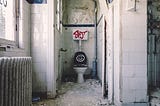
155, 97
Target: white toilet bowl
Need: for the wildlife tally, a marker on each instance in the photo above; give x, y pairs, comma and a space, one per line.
80, 71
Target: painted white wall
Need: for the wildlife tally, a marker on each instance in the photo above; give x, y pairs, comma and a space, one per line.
45, 40
24, 27
100, 38
39, 46
117, 51
110, 58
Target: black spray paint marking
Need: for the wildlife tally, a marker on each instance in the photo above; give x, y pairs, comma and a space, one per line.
3, 2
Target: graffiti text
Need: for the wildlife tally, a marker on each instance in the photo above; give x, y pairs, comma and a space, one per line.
79, 34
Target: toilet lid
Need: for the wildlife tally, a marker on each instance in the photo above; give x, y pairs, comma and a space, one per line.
80, 58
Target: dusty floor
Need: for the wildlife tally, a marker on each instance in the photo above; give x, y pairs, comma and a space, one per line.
86, 94
155, 97
73, 94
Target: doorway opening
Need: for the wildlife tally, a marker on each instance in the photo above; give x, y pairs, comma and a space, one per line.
153, 48
153, 44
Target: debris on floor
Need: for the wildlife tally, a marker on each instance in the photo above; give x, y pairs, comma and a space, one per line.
88, 93
155, 97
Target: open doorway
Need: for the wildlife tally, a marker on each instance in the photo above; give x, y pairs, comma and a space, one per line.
153, 49
153, 44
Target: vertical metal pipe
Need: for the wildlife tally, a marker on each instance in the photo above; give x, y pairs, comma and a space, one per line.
149, 60
10, 82
26, 93
155, 69
6, 83
2, 65
135, 5
155, 61
80, 45
113, 57
94, 71
30, 85
14, 83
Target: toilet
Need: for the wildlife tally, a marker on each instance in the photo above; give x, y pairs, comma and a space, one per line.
80, 65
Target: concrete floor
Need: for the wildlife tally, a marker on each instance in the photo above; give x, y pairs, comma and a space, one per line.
155, 97
88, 93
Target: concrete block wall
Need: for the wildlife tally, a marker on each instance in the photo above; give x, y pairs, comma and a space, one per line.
39, 37
134, 53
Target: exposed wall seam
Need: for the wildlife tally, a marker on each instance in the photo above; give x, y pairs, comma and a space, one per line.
99, 19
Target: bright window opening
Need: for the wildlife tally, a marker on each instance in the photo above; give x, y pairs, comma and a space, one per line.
7, 20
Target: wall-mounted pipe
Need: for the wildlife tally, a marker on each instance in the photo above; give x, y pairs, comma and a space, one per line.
80, 45
77, 25
155, 60
94, 71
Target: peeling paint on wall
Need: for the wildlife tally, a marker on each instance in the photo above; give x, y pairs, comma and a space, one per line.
78, 12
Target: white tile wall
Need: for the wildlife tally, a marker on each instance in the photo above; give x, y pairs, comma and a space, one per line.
134, 54
137, 58
141, 95
128, 96
128, 71
125, 58
130, 45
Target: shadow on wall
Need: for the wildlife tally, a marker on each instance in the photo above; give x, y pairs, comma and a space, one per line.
70, 75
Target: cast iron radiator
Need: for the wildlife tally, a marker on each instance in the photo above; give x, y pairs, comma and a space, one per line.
15, 81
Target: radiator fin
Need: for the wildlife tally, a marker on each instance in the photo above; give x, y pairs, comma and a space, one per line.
15, 81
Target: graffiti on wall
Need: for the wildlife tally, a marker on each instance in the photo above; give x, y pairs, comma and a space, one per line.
80, 35
3, 3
